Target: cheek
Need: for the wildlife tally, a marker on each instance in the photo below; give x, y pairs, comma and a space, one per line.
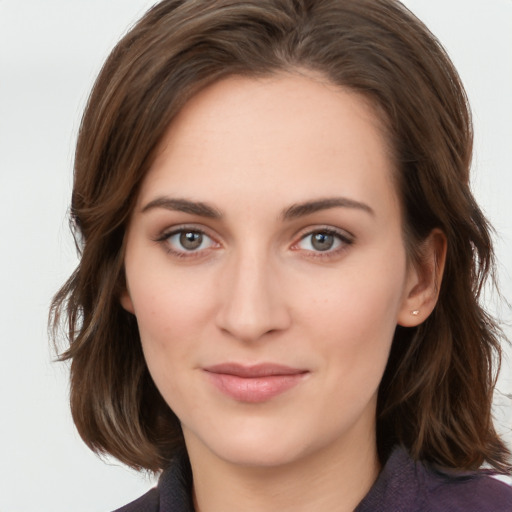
358, 297
166, 298
354, 317
170, 316
170, 329
166, 308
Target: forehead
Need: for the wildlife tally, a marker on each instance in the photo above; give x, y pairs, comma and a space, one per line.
286, 133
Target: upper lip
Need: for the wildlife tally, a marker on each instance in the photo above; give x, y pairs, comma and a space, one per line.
254, 370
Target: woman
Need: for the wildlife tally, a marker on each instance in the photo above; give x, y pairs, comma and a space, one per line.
277, 299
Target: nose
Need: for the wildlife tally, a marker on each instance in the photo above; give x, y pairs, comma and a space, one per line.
252, 300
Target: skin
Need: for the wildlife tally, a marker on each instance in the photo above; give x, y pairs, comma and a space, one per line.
257, 289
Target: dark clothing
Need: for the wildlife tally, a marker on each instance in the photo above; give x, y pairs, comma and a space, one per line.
402, 486
408, 486
173, 494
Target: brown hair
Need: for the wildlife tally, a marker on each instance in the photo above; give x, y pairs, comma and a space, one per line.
435, 397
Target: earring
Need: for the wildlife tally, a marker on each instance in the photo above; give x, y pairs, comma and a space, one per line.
416, 312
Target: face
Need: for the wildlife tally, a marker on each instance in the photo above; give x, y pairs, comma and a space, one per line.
266, 268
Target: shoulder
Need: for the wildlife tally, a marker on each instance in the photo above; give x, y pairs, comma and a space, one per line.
149, 502
466, 493
407, 485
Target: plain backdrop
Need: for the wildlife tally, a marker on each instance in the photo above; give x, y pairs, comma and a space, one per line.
50, 53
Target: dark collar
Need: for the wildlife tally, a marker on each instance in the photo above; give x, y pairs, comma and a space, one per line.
403, 485
175, 486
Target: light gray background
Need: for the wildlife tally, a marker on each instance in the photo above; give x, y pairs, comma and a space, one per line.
50, 52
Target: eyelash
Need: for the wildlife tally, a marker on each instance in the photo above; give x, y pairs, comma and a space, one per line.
164, 239
343, 238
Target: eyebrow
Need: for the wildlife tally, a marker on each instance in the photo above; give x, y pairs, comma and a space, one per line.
309, 207
184, 205
292, 212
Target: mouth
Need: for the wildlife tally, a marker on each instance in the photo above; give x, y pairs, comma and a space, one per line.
254, 383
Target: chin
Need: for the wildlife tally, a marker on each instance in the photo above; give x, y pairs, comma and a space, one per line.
268, 454
268, 442
250, 443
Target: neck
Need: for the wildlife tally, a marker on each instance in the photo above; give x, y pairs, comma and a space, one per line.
335, 479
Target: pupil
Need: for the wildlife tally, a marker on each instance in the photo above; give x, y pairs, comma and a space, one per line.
191, 240
322, 241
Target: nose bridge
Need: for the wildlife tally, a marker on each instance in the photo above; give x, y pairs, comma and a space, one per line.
252, 303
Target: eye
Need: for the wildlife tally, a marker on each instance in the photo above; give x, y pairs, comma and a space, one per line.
183, 241
323, 240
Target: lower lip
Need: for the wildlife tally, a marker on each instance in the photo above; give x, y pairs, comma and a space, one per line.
256, 389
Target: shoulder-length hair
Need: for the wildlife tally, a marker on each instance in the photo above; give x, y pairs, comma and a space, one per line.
436, 394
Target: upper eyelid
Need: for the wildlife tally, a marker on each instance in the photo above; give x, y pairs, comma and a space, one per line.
345, 238
170, 231
342, 233
299, 235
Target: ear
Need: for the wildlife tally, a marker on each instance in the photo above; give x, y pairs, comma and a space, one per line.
424, 281
126, 301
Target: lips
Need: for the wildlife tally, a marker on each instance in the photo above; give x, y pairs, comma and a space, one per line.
254, 383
